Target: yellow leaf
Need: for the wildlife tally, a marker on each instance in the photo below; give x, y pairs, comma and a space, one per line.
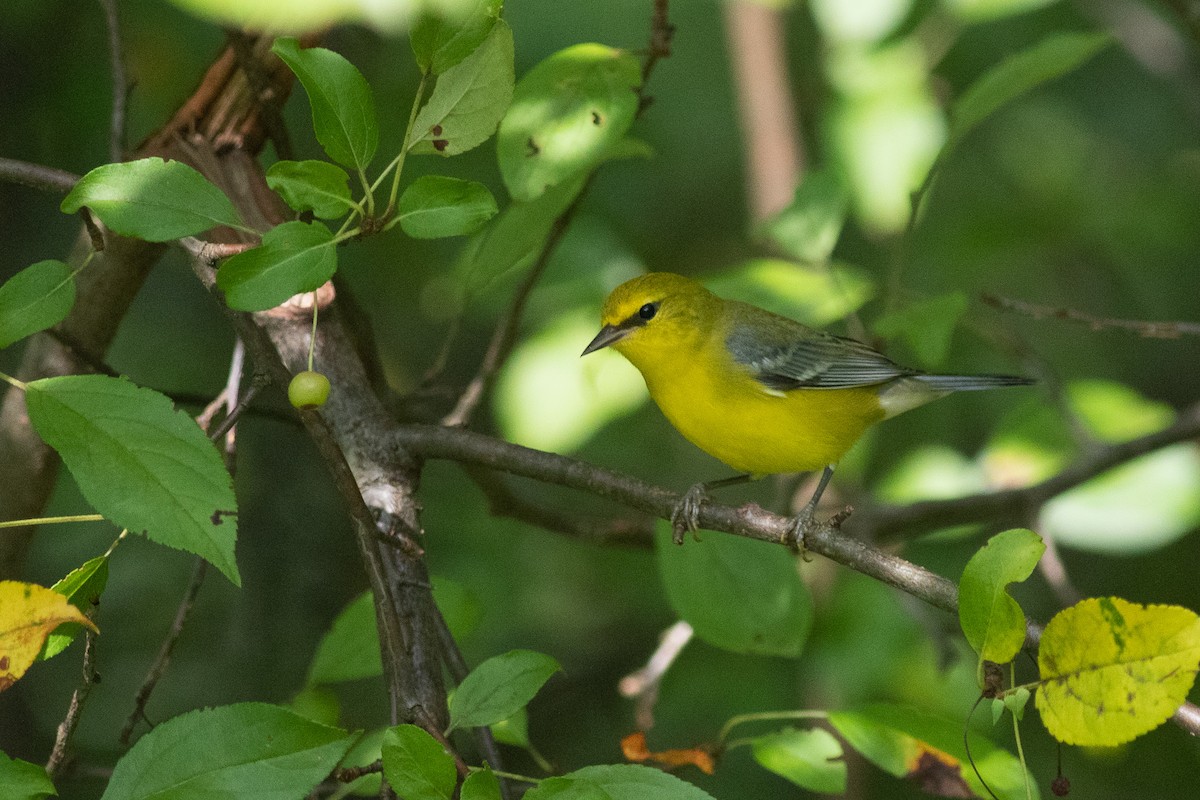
28, 614
1112, 670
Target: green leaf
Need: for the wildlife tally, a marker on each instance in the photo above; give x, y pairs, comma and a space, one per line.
516, 234
481, 784
318, 703
152, 199
514, 730
498, 687
439, 42
38, 297
142, 464
245, 750
367, 750
294, 257
82, 586
1049, 59
991, 619
434, 206
350, 649
566, 114
1112, 670
306, 16
738, 594
20, 780
814, 295
616, 782
416, 765
343, 108
468, 100
928, 750
811, 759
458, 604
808, 229
318, 186
1016, 700
926, 325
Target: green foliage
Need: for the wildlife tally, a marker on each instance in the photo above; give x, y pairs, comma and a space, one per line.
498, 687
808, 229
991, 619
481, 785
343, 107
812, 759
516, 234
434, 206
439, 43
910, 743
814, 295
468, 100
140, 463
567, 114
416, 765
1051, 58
1112, 670
294, 257
20, 780
38, 297
350, 650
736, 593
304, 16
263, 750
152, 199
82, 587
926, 326
316, 186
616, 782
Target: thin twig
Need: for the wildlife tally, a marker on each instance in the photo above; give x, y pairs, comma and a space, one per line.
1143, 328
504, 502
505, 334
120, 84
262, 90
643, 684
48, 179
163, 659
67, 727
504, 337
457, 666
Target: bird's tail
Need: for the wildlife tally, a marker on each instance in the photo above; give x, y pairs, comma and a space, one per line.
917, 390
961, 383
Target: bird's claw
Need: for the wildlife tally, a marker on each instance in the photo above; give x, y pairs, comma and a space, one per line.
805, 521
685, 518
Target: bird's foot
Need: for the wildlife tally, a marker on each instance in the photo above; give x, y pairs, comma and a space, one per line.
685, 518
806, 521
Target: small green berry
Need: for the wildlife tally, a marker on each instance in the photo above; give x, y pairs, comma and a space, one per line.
308, 389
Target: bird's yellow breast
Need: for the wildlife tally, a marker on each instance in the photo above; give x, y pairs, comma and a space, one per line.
721, 409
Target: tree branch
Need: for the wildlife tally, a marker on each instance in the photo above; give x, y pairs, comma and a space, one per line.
1143, 328
47, 179
120, 83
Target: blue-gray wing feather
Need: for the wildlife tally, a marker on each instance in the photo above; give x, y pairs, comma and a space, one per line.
782, 355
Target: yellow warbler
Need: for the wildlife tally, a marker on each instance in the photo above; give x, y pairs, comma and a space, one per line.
762, 393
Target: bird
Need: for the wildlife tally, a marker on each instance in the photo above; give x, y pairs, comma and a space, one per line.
760, 392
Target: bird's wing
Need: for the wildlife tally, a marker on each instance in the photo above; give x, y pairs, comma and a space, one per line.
782, 354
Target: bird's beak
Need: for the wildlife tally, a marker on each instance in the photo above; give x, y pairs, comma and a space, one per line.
609, 334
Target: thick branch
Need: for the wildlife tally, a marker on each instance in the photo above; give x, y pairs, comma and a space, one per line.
47, 179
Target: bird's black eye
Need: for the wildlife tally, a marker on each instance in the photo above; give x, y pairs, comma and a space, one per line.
648, 311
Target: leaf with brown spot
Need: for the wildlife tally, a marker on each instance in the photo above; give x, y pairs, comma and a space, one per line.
28, 614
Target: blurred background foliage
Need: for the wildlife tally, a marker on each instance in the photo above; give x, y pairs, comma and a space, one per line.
1083, 193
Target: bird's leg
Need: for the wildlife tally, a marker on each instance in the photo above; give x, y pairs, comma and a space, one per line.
794, 537
686, 515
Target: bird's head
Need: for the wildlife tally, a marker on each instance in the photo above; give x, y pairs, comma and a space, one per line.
654, 315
